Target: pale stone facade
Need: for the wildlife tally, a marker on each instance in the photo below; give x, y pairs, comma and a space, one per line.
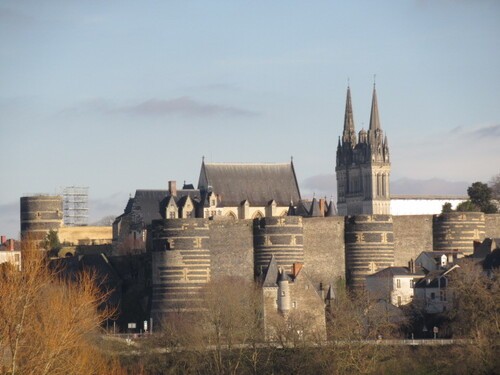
363, 166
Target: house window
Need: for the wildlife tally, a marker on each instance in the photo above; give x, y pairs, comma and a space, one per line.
433, 295
442, 295
294, 304
399, 300
398, 283
172, 215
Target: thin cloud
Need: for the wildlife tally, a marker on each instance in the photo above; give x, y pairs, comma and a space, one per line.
320, 185
184, 106
478, 131
433, 186
181, 106
487, 131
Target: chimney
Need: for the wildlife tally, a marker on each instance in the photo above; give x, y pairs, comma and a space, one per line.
3, 239
11, 244
411, 266
296, 267
322, 206
172, 188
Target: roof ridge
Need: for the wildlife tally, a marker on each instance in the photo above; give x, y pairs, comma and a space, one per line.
242, 163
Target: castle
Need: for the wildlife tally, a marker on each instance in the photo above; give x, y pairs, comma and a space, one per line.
244, 218
249, 221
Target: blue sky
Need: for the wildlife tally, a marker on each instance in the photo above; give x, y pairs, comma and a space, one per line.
121, 95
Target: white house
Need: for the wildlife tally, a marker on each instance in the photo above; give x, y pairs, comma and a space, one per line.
432, 292
393, 285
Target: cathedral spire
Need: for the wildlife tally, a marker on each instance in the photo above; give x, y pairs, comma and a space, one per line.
349, 134
374, 119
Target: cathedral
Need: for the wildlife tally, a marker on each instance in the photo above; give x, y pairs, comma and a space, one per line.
363, 166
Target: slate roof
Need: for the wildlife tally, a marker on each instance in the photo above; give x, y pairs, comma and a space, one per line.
146, 205
434, 279
395, 271
149, 205
271, 274
315, 210
257, 183
332, 210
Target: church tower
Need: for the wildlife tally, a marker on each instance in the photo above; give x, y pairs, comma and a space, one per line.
363, 166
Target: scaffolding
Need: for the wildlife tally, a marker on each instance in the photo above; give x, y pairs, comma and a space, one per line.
75, 205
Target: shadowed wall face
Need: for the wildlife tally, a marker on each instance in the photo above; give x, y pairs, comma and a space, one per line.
279, 236
181, 264
369, 241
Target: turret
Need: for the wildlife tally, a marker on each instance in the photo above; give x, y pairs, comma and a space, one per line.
283, 292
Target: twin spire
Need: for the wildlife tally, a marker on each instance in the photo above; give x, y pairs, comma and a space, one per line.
349, 134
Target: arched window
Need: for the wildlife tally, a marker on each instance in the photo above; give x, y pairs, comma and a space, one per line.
258, 215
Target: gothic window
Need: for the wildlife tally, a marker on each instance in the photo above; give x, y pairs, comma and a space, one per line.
258, 215
398, 283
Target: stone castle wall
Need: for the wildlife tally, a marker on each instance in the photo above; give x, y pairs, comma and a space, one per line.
85, 235
324, 249
231, 248
492, 222
412, 235
231, 244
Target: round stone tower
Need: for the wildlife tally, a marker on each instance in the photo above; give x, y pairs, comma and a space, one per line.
39, 214
180, 264
457, 231
369, 246
279, 236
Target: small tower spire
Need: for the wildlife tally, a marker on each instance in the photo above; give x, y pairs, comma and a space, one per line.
374, 118
349, 134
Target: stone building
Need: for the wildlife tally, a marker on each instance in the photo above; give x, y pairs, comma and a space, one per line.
363, 166
293, 309
242, 216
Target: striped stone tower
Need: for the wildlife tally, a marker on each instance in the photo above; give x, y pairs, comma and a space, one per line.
369, 246
281, 237
39, 214
457, 231
180, 264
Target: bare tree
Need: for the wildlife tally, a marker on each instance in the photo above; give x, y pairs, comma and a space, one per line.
356, 322
48, 325
475, 315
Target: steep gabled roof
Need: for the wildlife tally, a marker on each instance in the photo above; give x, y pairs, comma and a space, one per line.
271, 275
258, 183
332, 211
315, 210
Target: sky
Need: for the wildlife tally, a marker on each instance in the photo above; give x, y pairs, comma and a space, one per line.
126, 95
